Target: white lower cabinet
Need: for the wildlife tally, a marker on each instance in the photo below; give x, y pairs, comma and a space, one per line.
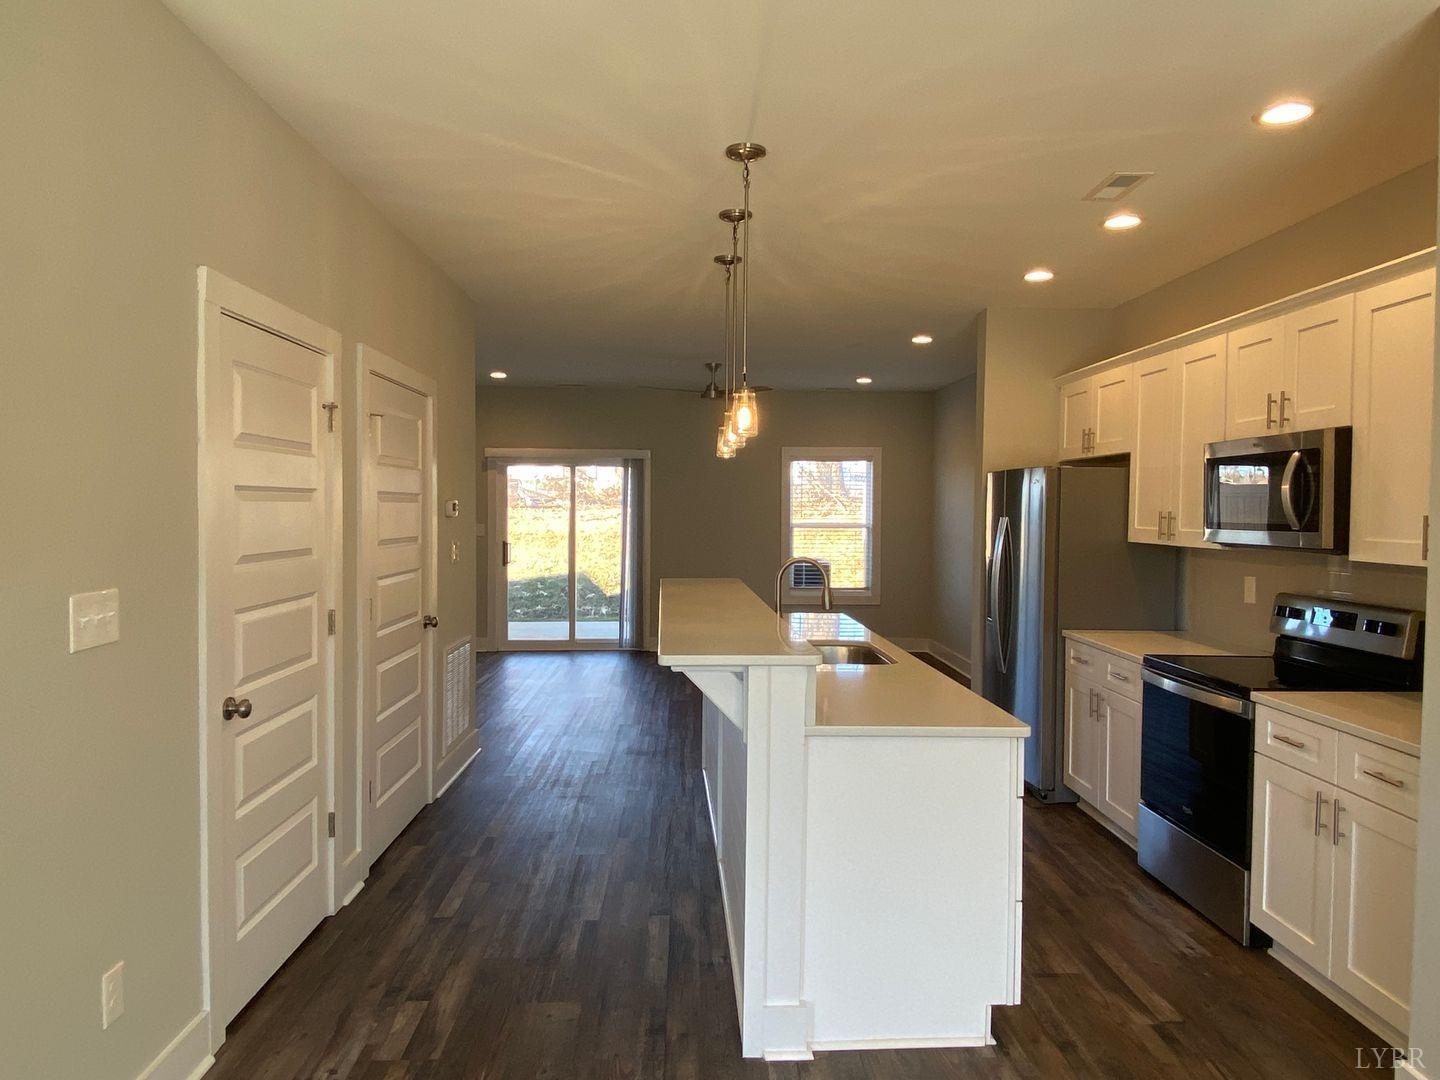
1102, 736
1334, 881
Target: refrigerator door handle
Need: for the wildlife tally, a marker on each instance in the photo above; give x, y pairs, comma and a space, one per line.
997, 554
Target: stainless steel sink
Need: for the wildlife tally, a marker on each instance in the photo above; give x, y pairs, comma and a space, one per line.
834, 653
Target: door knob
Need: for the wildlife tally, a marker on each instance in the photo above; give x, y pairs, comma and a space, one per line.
430, 621
231, 707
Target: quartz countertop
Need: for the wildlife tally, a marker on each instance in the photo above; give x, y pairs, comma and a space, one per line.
1389, 719
1137, 644
908, 697
719, 622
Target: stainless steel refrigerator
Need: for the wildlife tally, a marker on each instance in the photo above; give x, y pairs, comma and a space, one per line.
1056, 559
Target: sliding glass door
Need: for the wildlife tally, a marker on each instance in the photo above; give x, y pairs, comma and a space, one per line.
567, 534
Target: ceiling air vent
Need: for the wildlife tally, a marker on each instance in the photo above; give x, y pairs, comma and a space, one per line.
1116, 186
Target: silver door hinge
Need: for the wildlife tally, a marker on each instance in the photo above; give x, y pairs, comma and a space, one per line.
330, 407
331, 825
330, 621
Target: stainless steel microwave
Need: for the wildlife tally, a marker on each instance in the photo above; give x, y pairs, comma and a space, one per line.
1290, 491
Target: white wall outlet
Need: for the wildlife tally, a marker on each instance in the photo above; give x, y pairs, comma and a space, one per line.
452, 508
1249, 590
94, 619
112, 995
454, 551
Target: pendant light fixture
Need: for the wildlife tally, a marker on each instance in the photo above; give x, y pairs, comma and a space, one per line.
744, 408
726, 441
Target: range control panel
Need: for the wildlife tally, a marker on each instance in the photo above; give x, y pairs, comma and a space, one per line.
1385, 630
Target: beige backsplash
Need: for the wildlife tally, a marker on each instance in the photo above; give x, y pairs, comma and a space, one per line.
1214, 584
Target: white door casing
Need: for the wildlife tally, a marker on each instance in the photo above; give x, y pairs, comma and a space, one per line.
269, 500
397, 595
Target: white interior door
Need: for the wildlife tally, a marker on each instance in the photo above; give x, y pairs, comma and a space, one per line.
398, 538
268, 577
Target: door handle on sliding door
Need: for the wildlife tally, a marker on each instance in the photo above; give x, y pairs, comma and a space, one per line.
504, 552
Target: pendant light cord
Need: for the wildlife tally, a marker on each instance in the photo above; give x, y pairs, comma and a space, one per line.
745, 288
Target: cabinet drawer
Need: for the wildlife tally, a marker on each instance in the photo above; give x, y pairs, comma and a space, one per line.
1296, 742
1380, 774
1083, 659
1122, 676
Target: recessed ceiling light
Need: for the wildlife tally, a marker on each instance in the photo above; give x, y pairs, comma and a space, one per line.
921, 339
1122, 220
499, 375
1039, 274
864, 380
1284, 113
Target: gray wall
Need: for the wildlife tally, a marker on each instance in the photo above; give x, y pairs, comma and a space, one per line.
133, 156
712, 518
957, 467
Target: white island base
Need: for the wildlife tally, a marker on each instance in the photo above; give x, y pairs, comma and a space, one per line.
867, 821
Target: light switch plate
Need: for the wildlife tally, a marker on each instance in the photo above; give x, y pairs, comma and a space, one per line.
112, 995
94, 619
1249, 590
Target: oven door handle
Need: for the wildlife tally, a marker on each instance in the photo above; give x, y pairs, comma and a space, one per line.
1238, 706
1287, 489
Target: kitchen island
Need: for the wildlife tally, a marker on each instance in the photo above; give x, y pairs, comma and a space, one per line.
867, 822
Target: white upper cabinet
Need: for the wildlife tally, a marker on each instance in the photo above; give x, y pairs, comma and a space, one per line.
1095, 415
1319, 355
1201, 379
1077, 418
1112, 391
1152, 464
1394, 372
1254, 377
1179, 408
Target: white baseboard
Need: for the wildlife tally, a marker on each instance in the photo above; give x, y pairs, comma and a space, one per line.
1360, 1012
1406, 1071
937, 1043
456, 775
354, 892
188, 1055
1100, 819
482, 644
941, 652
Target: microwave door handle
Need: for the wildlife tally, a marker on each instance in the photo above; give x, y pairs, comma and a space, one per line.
1287, 489
1002, 526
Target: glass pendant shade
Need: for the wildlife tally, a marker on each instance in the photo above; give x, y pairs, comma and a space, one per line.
723, 450
747, 413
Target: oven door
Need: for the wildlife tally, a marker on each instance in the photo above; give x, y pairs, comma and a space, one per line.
1196, 751
1280, 491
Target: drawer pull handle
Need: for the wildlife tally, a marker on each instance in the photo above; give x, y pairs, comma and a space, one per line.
1383, 778
1296, 743
1119, 677
1082, 660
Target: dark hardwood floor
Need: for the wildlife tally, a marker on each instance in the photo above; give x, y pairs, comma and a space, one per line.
557, 914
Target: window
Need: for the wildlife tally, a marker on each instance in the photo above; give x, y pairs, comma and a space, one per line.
832, 513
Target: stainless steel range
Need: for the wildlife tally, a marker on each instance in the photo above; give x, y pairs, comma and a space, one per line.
1198, 738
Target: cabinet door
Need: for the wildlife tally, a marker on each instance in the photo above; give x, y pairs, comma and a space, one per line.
1291, 859
1152, 464
1080, 739
1319, 359
1114, 406
1394, 372
1254, 376
1373, 922
1200, 390
1077, 418
1119, 773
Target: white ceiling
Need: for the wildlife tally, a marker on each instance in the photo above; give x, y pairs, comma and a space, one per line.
563, 159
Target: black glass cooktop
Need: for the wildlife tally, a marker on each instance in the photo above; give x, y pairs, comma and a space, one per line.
1240, 676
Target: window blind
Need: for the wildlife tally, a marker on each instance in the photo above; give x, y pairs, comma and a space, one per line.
832, 508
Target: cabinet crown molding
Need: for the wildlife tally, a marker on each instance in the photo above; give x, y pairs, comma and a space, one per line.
1375, 275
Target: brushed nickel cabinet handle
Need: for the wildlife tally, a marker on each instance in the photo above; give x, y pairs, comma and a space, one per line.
1383, 778
1269, 411
1296, 743
1284, 397
1320, 802
1335, 834
1119, 676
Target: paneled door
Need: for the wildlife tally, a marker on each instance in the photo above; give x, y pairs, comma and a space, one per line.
267, 470
1254, 377
1152, 466
1119, 776
1292, 855
398, 563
